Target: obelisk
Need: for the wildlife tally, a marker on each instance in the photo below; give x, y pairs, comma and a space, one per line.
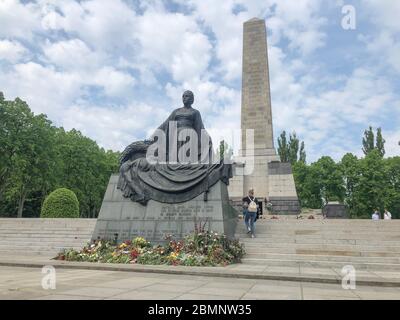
258, 164
256, 96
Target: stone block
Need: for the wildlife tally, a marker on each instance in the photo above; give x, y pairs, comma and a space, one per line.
130, 219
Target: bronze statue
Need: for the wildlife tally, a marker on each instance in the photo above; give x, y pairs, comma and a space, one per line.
168, 179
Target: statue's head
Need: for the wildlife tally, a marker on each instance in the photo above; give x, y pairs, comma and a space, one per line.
188, 98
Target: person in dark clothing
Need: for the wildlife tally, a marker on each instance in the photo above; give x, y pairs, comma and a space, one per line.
250, 211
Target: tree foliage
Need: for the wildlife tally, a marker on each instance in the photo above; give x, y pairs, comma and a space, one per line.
36, 158
362, 184
291, 150
370, 143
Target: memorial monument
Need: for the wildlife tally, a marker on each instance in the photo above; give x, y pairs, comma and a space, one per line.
168, 184
258, 166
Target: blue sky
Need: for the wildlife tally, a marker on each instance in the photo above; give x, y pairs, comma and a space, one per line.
116, 69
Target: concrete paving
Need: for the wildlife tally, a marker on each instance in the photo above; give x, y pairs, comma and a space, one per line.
26, 283
237, 271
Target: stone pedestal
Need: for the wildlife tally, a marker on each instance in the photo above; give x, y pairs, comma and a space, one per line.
124, 219
282, 190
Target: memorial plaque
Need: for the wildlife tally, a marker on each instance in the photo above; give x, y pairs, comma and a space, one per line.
335, 210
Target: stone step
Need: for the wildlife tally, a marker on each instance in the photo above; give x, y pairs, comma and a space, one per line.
283, 247
44, 248
327, 251
44, 242
324, 257
49, 236
43, 236
48, 253
391, 225
321, 236
266, 229
325, 227
55, 222
321, 241
42, 228
48, 232
317, 264
321, 229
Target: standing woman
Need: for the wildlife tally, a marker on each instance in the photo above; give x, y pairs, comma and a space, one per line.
250, 210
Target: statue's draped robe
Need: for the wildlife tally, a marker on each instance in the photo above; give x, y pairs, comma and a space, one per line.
171, 182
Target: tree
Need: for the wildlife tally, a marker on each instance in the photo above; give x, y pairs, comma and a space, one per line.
85, 168
302, 153
380, 142
32, 168
350, 170
36, 157
392, 186
330, 178
224, 151
370, 191
293, 148
289, 150
308, 185
369, 143
25, 140
283, 147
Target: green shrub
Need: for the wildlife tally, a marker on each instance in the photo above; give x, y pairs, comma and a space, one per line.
61, 203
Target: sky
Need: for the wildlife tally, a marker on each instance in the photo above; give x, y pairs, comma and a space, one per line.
116, 69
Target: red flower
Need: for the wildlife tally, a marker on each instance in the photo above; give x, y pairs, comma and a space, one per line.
134, 254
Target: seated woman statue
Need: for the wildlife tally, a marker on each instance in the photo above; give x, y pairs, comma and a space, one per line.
176, 164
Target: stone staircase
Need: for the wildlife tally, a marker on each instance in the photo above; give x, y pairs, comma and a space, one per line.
324, 243
46, 237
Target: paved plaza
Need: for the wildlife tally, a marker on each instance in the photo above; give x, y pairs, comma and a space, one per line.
26, 283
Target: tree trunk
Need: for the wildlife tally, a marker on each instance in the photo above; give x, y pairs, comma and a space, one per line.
21, 204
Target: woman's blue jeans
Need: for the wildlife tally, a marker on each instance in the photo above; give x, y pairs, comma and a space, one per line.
249, 218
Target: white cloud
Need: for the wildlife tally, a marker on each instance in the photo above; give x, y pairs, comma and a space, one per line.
13, 51
74, 56
384, 41
18, 20
71, 54
103, 24
114, 82
45, 89
172, 42
113, 128
392, 145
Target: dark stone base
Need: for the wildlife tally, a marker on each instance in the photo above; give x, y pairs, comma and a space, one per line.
122, 219
335, 211
285, 206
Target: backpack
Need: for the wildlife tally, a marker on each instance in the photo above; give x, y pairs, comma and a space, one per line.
252, 206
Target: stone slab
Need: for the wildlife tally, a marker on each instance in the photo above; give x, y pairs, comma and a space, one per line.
122, 219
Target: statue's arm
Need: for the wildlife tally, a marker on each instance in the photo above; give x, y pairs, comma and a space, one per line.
198, 122
199, 126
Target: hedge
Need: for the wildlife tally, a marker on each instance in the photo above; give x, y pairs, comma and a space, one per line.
61, 203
